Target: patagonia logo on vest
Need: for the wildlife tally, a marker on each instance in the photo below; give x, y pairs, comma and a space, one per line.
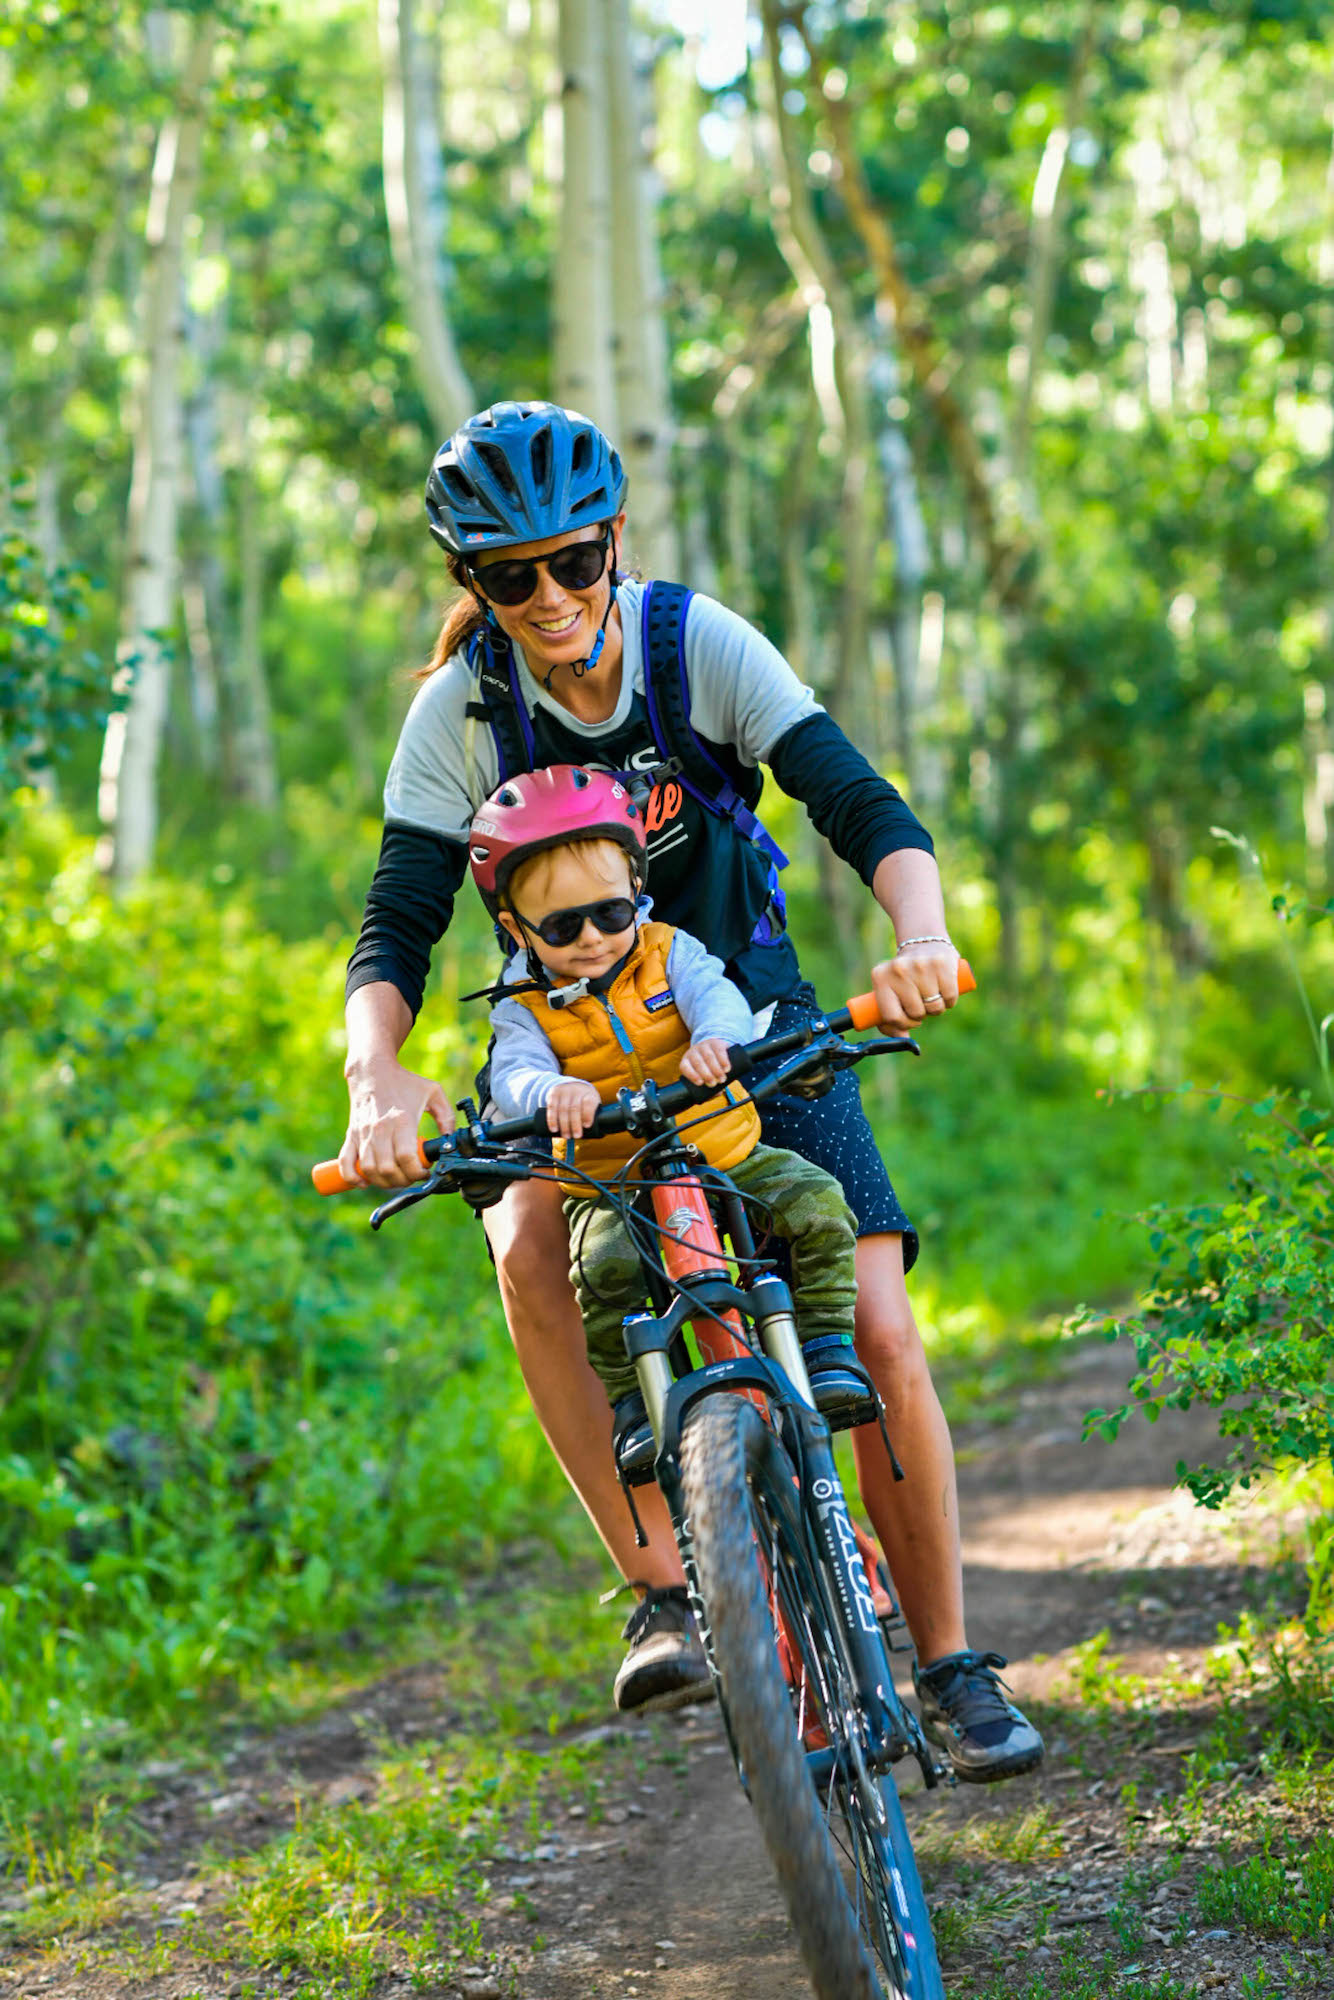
655, 1001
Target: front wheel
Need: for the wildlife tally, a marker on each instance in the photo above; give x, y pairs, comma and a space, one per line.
835, 1833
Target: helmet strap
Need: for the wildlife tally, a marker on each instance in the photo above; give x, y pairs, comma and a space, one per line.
581, 667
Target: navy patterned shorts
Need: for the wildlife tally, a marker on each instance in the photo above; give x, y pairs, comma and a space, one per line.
834, 1133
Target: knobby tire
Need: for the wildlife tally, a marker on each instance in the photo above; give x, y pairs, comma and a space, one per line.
844, 1863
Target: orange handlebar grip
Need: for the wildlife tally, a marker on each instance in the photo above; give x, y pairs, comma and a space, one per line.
328, 1176
865, 1008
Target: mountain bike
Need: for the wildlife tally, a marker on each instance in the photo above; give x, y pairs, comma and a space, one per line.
791, 1598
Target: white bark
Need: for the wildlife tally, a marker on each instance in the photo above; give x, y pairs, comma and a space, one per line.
1318, 694
913, 697
838, 373
202, 589
582, 364
127, 793
255, 771
414, 203
639, 338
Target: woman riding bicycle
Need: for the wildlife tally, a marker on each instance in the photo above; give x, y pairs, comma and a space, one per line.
544, 658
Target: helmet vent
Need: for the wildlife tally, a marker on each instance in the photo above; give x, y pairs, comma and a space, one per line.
541, 458
509, 797
498, 465
582, 453
581, 780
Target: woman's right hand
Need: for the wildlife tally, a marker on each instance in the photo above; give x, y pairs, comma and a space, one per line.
386, 1113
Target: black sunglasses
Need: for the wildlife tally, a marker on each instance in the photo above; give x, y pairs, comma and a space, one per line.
578, 566
562, 927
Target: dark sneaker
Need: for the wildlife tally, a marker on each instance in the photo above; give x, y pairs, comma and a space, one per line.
843, 1390
665, 1666
632, 1441
965, 1713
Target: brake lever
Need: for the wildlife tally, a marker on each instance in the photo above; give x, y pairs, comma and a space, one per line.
834, 1054
887, 1045
406, 1198
451, 1179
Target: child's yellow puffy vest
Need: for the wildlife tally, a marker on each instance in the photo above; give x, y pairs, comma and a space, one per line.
620, 1038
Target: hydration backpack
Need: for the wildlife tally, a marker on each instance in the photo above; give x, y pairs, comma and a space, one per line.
498, 701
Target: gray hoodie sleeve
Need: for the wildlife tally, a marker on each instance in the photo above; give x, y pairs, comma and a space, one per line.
706, 998
524, 1069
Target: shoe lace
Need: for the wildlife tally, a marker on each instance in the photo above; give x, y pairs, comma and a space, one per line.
972, 1692
671, 1600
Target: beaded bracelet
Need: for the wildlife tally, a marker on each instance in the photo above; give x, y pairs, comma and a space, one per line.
926, 940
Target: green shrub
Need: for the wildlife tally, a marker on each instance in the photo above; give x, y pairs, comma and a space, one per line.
230, 1421
1239, 1314
52, 688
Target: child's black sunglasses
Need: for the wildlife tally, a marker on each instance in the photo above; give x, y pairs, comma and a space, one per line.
562, 927
577, 566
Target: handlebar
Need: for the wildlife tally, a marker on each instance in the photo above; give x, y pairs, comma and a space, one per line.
861, 1011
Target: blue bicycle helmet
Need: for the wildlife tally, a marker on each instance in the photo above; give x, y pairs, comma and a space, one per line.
519, 472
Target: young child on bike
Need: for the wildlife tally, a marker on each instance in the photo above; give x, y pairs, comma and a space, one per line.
603, 997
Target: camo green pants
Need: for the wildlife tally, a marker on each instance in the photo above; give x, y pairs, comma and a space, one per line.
806, 1209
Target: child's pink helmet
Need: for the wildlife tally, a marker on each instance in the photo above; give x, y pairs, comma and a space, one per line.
546, 809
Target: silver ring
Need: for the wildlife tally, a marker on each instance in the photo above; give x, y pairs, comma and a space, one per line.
934, 996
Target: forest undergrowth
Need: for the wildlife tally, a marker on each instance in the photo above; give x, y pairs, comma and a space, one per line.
233, 1425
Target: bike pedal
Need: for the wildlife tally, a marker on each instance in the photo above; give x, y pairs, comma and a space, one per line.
894, 1631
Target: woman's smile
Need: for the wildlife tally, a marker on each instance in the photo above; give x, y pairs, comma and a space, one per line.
556, 628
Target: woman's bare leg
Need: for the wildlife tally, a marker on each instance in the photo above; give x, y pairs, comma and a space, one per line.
916, 1519
530, 1244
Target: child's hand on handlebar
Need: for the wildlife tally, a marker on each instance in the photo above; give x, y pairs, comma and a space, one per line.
707, 1061
571, 1108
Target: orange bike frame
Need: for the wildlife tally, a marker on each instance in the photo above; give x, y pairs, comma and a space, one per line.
690, 1246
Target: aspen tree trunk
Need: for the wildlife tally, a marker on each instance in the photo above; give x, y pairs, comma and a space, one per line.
639, 336
837, 371
804, 648
583, 364
1046, 211
127, 792
414, 200
697, 551
203, 591
256, 772
838, 378
1033, 329
1001, 543
737, 512
907, 530
1318, 694
767, 339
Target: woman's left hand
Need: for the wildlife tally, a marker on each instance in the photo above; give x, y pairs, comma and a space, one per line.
919, 981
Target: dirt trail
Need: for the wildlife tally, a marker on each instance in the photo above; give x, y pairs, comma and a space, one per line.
666, 1890
683, 1906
